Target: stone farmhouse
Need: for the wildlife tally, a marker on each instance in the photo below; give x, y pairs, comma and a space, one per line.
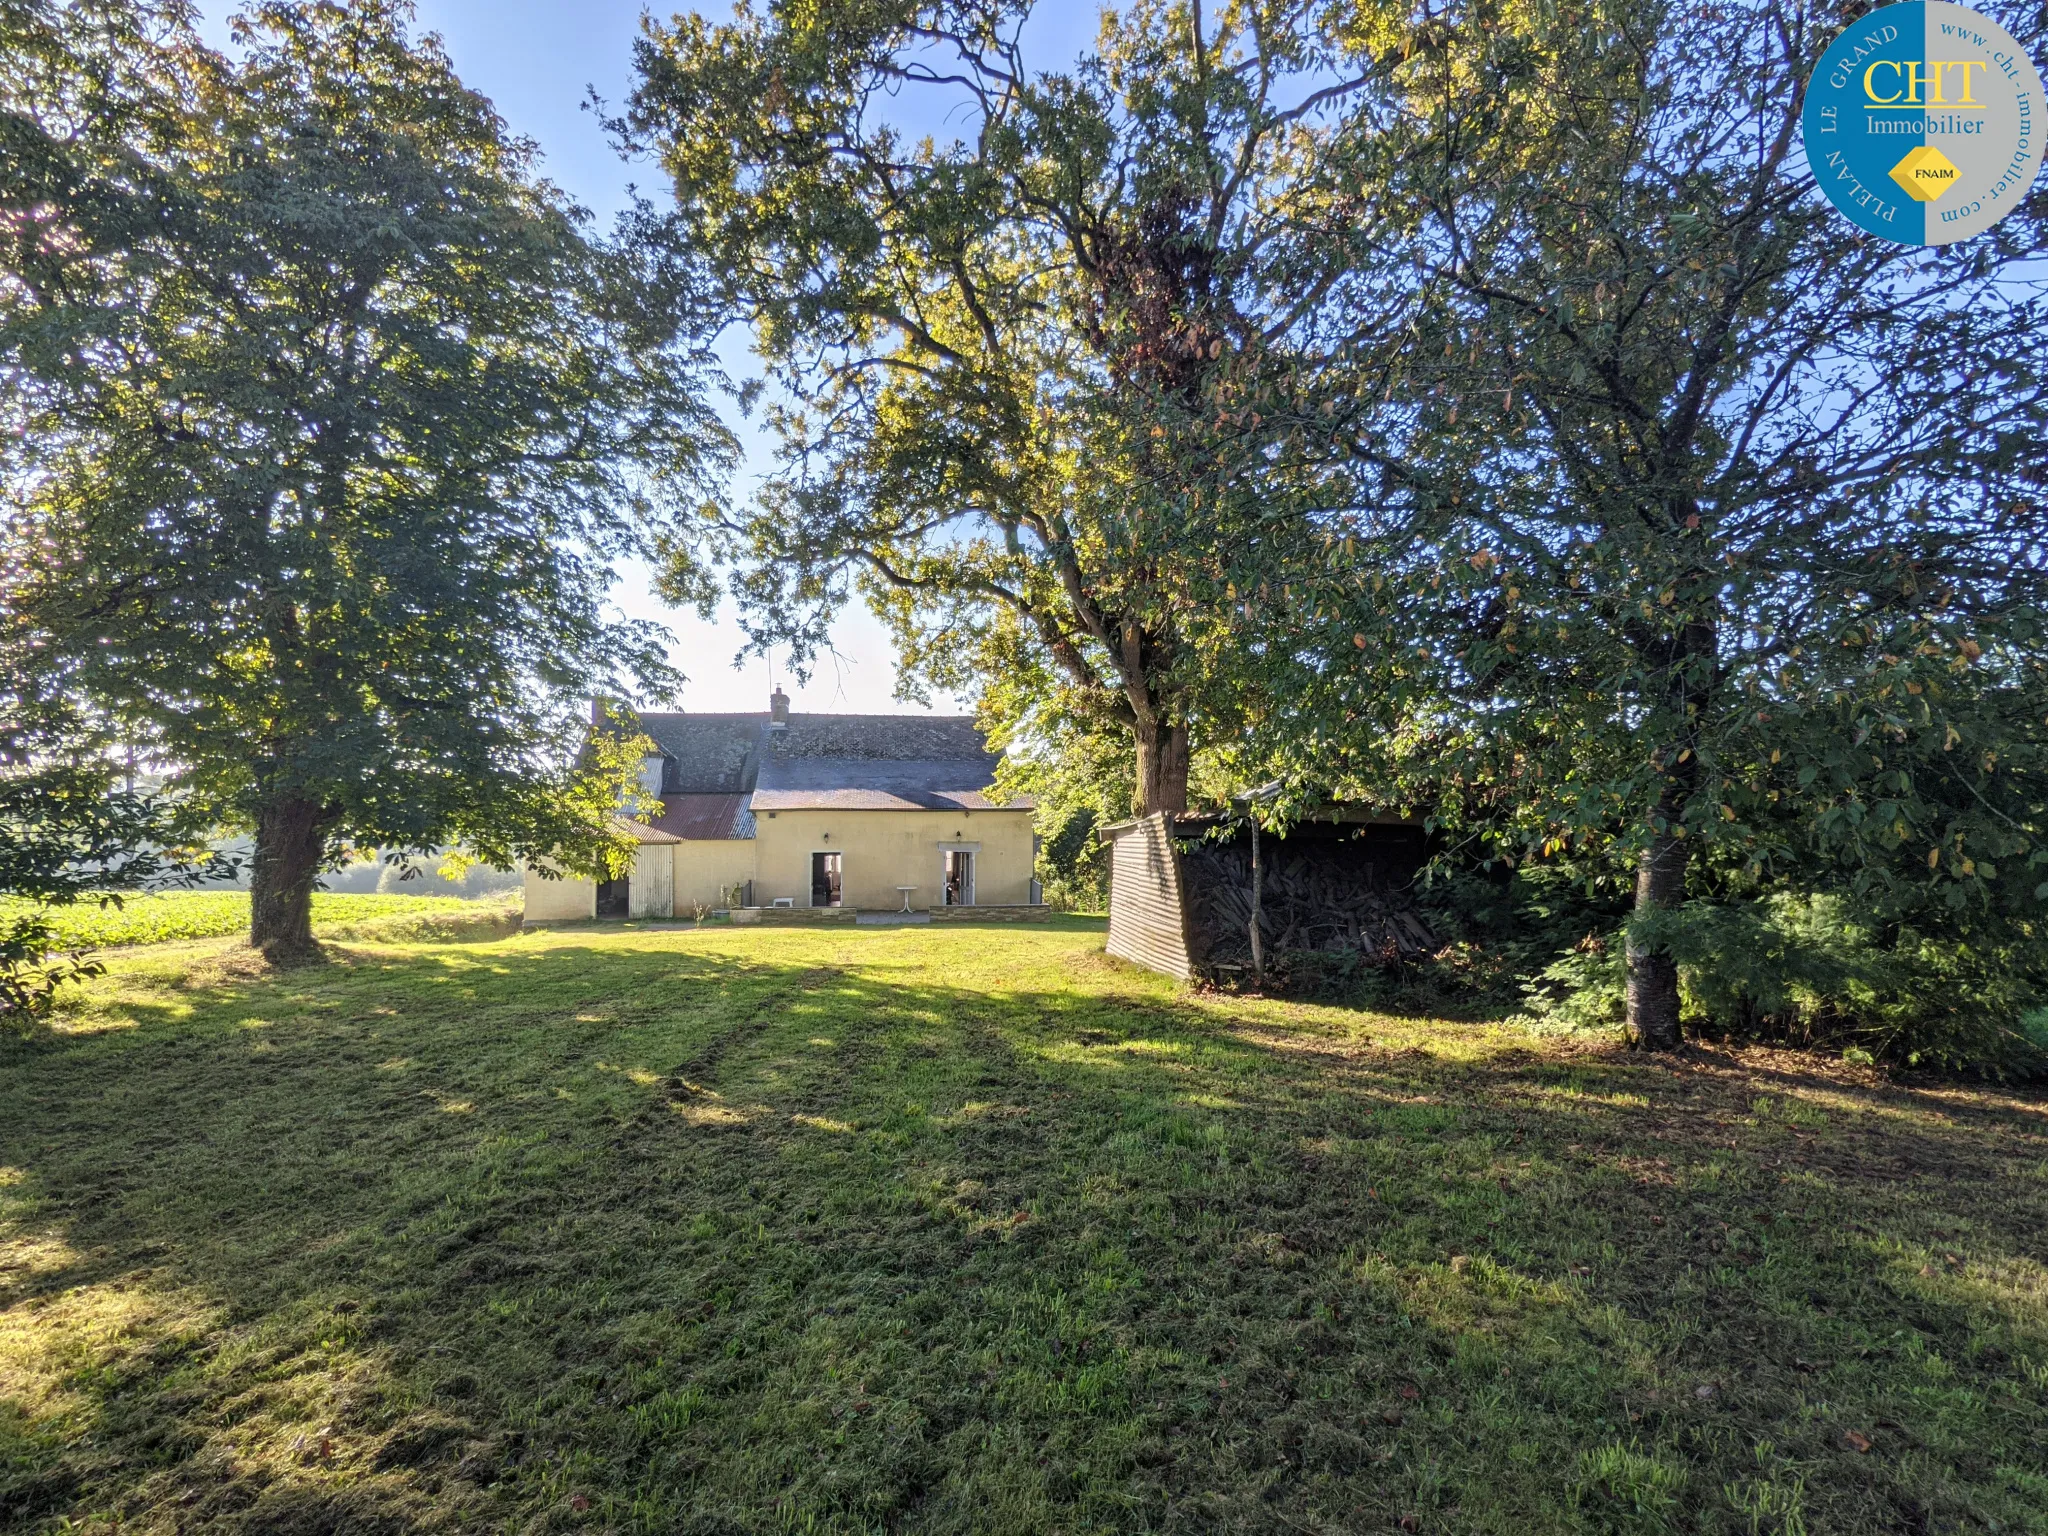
774, 814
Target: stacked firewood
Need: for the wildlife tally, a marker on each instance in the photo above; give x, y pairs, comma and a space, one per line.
1325, 898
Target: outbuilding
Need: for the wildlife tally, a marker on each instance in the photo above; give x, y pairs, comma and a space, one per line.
1183, 891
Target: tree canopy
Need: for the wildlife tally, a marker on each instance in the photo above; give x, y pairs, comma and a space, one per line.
329, 416
1050, 391
1743, 579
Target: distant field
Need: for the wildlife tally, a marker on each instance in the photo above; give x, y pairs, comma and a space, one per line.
211, 914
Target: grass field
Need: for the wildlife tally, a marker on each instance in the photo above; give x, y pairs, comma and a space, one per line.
177, 915
976, 1230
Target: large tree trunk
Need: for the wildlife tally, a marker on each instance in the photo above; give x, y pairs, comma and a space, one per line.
1162, 768
1652, 972
291, 840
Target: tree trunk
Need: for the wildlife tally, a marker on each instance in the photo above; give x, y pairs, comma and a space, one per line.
1652, 972
1162, 768
291, 839
1660, 867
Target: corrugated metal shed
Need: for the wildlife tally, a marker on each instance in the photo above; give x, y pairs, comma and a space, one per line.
1166, 874
1147, 913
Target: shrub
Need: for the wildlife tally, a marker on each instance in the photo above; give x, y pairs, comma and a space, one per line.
1819, 970
29, 978
1814, 970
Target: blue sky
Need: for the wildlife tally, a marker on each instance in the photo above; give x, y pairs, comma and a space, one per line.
537, 60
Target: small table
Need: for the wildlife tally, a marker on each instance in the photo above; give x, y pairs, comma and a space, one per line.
906, 890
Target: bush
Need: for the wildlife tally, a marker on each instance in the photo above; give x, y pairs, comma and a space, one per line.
1817, 970
29, 978
1813, 970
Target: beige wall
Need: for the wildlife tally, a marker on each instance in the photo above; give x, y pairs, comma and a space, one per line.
708, 868
565, 900
884, 848
568, 900
879, 850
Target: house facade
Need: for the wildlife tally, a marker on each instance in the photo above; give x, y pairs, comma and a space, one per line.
775, 810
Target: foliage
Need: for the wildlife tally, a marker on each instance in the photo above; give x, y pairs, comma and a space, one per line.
1728, 577
1816, 969
328, 416
29, 978
1072, 864
1050, 393
69, 834
970, 1230
445, 879
1078, 781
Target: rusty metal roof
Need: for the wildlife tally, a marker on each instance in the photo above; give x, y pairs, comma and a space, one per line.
696, 817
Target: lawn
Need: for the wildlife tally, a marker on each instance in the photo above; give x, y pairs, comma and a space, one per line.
974, 1229
170, 915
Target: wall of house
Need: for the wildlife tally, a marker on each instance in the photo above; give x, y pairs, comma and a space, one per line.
883, 849
708, 868
650, 894
558, 901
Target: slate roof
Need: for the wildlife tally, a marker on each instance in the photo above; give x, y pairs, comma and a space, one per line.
707, 754
719, 770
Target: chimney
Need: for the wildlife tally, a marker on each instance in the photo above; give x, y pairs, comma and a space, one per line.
778, 708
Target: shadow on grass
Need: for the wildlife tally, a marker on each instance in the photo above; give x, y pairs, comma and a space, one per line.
738, 1232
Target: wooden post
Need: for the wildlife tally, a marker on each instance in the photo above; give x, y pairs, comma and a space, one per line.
1258, 944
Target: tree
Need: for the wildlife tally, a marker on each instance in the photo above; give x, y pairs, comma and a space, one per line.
1729, 555
1051, 393
329, 418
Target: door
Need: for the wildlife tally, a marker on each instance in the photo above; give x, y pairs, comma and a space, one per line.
614, 897
654, 882
959, 879
825, 884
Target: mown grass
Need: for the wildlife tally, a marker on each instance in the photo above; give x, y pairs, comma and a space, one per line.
173, 915
975, 1230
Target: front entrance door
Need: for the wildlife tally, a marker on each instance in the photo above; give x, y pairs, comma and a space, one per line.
825, 886
614, 897
959, 879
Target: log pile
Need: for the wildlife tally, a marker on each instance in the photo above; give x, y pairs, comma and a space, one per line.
1315, 898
